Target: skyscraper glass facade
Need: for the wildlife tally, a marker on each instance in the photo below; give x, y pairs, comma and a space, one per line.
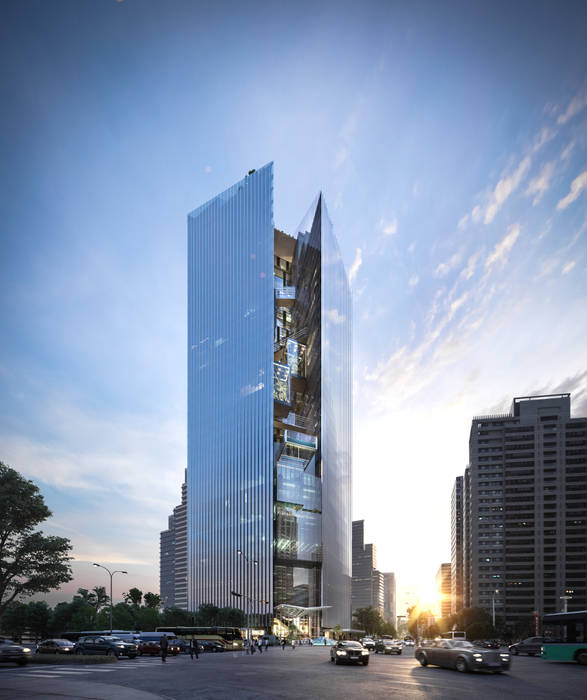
269, 407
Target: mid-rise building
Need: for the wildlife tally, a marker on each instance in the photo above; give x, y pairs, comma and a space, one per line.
443, 586
389, 598
269, 411
368, 582
456, 546
173, 557
525, 500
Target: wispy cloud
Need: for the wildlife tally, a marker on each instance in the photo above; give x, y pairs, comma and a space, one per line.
540, 184
504, 188
413, 281
576, 105
577, 186
568, 149
356, 264
469, 270
333, 316
499, 255
445, 267
568, 267
389, 227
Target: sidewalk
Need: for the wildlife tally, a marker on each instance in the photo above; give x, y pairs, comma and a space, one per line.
32, 689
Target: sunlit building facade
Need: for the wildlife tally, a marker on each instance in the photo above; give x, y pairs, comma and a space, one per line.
269, 410
443, 588
456, 546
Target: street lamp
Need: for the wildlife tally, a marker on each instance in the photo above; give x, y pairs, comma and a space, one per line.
565, 598
250, 562
118, 571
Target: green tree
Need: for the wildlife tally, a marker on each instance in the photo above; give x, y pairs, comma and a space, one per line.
337, 631
292, 631
480, 630
14, 619
85, 596
230, 617
172, 617
133, 597
30, 562
152, 600
38, 615
389, 629
100, 597
207, 615
368, 619
147, 619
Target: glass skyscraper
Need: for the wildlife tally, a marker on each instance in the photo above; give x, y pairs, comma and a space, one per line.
269, 410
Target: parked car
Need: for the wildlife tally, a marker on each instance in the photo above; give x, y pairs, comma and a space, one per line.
108, 646
368, 643
388, 646
531, 646
56, 646
348, 652
211, 646
462, 655
11, 651
149, 647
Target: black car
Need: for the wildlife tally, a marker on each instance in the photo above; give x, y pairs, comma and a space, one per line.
388, 646
107, 646
462, 655
11, 651
349, 653
531, 646
487, 643
208, 645
55, 646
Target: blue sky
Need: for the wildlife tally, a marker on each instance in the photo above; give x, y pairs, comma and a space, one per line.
450, 142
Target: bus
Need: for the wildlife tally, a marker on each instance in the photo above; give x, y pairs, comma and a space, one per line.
570, 631
230, 637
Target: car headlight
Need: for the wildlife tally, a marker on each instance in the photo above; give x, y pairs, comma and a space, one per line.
365, 651
505, 656
341, 653
478, 657
27, 650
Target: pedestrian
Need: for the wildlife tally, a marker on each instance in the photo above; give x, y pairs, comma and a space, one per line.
283, 644
194, 649
252, 644
164, 644
259, 645
293, 644
266, 644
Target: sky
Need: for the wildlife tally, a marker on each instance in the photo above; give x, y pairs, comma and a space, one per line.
450, 142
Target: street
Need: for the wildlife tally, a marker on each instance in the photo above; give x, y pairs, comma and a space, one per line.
303, 673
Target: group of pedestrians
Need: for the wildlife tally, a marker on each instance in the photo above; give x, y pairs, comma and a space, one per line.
254, 645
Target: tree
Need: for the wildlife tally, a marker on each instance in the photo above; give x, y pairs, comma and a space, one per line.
480, 630
133, 597
176, 617
14, 619
337, 631
152, 600
207, 615
100, 597
30, 562
389, 629
38, 615
368, 619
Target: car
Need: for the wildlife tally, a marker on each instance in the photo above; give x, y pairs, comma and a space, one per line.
462, 655
210, 645
348, 652
11, 651
106, 645
56, 646
368, 643
531, 646
487, 643
409, 643
149, 647
388, 646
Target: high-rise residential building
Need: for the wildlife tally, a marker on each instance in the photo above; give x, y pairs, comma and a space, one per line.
368, 582
443, 586
173, 557
389, 598
456, 546
525, 499
269, 411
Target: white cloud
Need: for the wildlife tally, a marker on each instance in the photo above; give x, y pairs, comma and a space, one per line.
208, 169
355, 265
504, 189
540, 184
469, 270
456, 304
576, 105
544, 136
445, 267
463, 221
412, 247
502, 249
477, 213
389, 228
568, 149
334, 316
577, 186
568, 267
413, 281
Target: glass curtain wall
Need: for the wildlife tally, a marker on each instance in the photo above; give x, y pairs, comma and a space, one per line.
230, 396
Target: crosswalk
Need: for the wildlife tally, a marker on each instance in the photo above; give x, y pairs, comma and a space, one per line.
63, 671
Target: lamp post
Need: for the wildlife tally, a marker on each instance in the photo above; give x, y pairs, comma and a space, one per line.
565, 598
118, 571
247, 597
493, 607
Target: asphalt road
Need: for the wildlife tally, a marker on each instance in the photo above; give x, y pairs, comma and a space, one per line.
301, 674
